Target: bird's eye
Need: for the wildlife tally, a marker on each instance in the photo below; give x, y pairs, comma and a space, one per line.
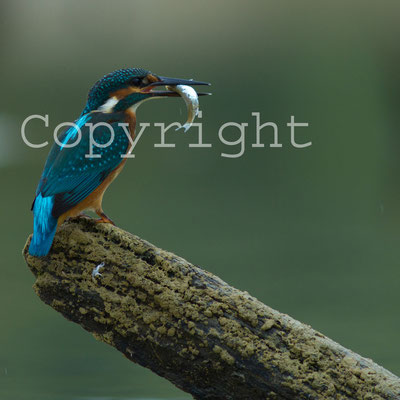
135, 81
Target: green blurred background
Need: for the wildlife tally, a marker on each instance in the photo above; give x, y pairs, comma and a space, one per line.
311, 232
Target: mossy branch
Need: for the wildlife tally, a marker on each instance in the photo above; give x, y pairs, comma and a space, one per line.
187, 325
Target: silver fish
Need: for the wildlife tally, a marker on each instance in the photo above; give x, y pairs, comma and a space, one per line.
192, 103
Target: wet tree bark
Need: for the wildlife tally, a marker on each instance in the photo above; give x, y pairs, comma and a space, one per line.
187, 325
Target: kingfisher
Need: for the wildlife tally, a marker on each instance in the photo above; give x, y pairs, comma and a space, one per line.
72, 181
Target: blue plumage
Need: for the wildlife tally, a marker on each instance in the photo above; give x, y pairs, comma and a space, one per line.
69, 176
111, 82
73, 176
71, 133
44, 226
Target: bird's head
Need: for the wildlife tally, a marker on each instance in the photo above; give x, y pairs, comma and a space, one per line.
127, 88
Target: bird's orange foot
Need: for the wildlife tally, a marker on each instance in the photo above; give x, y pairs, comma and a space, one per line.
104, 219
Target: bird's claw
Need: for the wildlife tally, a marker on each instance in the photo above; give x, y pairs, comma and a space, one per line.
104, 219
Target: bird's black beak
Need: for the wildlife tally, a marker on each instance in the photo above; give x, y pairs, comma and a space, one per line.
164, 81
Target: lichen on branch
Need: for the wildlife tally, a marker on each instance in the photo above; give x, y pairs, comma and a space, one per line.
189, 326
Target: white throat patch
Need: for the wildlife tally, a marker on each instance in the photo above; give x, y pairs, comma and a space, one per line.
108, 106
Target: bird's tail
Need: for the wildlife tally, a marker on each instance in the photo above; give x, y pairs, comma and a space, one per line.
44, 226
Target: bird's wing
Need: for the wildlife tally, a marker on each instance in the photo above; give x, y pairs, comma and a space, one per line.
70, 175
